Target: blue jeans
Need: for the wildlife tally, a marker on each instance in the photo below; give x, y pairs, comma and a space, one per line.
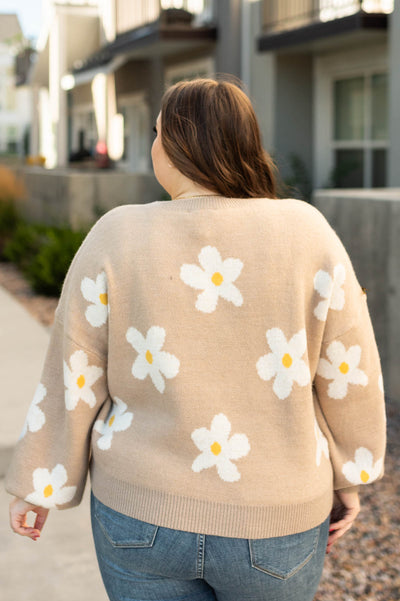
142, 562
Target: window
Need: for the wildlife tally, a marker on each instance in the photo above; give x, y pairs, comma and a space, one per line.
84, 134
360, 131
12, 139
2, 90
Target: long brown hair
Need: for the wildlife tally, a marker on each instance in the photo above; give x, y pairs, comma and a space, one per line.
210, 132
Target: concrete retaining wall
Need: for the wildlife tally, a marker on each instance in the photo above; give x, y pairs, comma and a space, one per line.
78, 198
368, 223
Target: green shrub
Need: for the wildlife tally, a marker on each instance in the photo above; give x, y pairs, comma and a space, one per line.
48, 267
298, 184
9, 221
25, 243
43, 253
11, 189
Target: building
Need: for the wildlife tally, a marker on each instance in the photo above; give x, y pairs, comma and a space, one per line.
69, 31
323, 75
15, 114
326, 76
103, 67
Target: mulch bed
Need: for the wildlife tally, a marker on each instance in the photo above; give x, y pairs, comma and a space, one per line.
365, 564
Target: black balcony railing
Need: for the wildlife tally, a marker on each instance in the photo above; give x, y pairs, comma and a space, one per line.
281, 15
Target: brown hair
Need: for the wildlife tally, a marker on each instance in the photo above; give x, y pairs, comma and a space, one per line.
210, 132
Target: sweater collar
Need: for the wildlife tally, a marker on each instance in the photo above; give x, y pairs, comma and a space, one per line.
211, 202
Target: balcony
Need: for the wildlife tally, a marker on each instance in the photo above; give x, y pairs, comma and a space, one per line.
146, 28
131, 15
291, 22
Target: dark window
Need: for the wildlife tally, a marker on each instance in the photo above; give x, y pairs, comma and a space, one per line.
349, 169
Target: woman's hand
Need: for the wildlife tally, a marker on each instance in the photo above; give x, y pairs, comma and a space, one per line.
345, 510
18, 510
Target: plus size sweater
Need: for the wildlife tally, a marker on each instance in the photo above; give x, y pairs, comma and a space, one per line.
213, 365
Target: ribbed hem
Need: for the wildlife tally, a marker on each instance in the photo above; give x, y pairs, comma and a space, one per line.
211, 202
207, 517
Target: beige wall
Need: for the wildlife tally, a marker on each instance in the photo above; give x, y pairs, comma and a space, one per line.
82, 95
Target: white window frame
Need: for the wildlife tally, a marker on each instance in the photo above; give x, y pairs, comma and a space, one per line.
327, 70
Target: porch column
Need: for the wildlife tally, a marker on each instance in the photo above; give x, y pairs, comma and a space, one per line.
156, 91
259, 75
394, 95
34, 144
228, 53
99, 94
58, 97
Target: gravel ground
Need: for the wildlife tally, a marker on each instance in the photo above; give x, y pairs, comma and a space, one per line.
365, 564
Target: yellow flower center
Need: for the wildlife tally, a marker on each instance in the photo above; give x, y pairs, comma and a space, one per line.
216, 448
217, 279
81, 381
149, 357
111, 421
287, 360
103, 298
48, 491
344, 368
364, 476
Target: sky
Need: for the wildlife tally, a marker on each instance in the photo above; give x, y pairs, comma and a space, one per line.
29, 14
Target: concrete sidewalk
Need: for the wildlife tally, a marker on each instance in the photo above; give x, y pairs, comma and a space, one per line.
62, 565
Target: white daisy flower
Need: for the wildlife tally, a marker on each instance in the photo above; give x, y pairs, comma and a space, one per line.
95, 291
152, 360
331, 291
79, 379
218, 449
35, 418
49, 488
342, 369
284, 362
380, 383
363, 469
215, 277
117, 421
322, 443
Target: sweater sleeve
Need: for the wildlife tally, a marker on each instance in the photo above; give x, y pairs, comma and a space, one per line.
348, 383
50, 461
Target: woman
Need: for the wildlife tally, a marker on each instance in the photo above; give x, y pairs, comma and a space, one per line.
213, 362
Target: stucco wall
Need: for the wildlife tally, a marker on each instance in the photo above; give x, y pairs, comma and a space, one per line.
293, 118
82, 95
368, 223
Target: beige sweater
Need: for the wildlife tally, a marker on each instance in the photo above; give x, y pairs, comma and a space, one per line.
213, 364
